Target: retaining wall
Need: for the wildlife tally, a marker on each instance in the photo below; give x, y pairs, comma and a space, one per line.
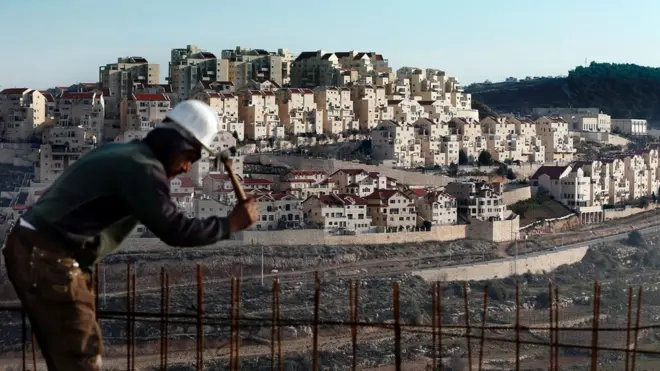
502, 268
316, 237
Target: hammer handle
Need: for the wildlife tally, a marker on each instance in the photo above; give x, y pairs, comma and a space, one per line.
238, 188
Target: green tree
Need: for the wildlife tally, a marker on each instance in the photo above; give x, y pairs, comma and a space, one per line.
485, 158
463, 158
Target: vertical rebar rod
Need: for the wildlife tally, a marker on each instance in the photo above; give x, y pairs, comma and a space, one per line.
200, 318
483, 328
556, 328
128, 317
133, 333
629, 326
637, 324
237, 360
466, 308
317, 319
356, 302
517, 325
231, 328
434, 300
595, 323
397, 327
280, 360
272, 330
551, 334
162, 318
439, 323
167, 319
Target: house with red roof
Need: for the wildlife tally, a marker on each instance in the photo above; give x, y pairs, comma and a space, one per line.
392, 210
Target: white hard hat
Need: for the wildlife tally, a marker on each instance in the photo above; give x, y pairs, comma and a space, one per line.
197, 119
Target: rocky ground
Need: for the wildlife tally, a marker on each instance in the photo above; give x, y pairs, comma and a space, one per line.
616, 266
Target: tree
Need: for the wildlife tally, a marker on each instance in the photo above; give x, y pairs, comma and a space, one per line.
636, 239
235, 135
453, 169
510, 174
485, 158
462, 158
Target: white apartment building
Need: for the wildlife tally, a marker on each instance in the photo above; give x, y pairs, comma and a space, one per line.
84, 109
619, 184
277, 211
337, 110
406, 110
227, 107
298, 111
437, 207
392, 210
370, 106
630, 126
398, 142
430, 133
22, 110
190, 65
556, 138
141, 112
478, 199
337, 212
120, 78
260, 113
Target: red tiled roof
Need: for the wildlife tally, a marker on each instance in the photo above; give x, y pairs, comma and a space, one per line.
181, 194
256, 181
49, 97
14, 91
300, 181
186, 182
76, 95
552, 171
419, 192
342, 199
382, 194
150, 97
221, 95
350, 171
306, 172
19, 207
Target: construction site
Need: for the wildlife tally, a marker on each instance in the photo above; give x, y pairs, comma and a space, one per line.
344, 308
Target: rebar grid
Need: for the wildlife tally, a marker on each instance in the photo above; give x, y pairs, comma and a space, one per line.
473, 334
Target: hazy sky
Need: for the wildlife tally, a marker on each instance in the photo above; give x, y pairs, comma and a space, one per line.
64, 42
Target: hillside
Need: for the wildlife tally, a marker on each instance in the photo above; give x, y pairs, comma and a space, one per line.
621, 90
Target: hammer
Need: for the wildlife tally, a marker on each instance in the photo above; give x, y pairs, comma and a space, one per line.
238, 189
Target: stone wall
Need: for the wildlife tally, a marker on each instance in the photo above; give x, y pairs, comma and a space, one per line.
628, 211
330, 166
501, 268
511, 196
316, 237
498, 231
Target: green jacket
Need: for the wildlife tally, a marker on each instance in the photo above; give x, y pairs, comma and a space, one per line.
98, 200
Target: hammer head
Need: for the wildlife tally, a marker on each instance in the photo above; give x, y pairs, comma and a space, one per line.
226, 154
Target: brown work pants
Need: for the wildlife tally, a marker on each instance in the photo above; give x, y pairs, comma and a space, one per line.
58, 301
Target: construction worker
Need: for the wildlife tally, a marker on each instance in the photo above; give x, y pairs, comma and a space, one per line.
86, 214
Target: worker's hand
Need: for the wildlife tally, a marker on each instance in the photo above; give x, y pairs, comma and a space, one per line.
243, 215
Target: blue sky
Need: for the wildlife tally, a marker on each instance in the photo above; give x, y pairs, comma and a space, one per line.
64, 42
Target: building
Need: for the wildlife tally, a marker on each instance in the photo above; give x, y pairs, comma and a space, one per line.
632, 127
397, 142
260, 113
555, 138
337, 212
298, 112
226, 105
478, 199
392, 210
337, 111
437, 207
85, 109
120, 78
22, 110
370, 105
191, 65
141, 112
321, 68
246, 65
